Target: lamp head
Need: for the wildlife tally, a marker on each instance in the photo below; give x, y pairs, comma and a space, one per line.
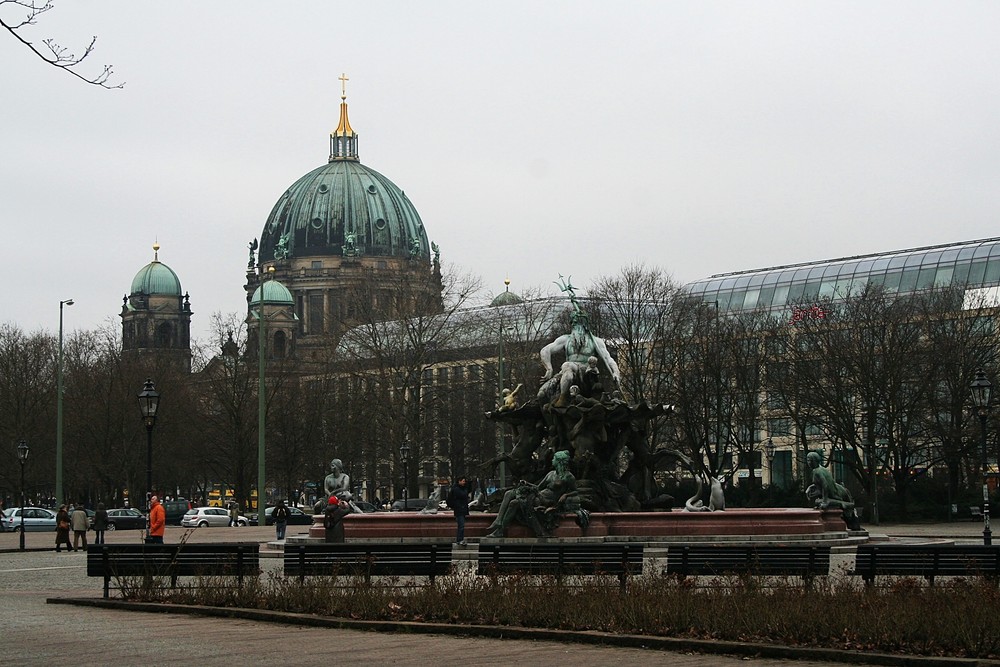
769, 449
149, 403
982, 392
22, 452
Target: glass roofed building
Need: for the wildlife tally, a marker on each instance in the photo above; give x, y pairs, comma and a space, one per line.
975, 264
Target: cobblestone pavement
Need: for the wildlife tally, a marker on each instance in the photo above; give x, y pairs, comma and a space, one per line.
35, 633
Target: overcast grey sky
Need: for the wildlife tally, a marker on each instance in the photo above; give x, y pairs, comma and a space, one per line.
534, 138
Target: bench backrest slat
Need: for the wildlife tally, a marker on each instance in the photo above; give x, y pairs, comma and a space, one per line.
414, 558
926, 560
794, 560
560, 558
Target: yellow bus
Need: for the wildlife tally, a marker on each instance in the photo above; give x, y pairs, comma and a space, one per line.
221, 495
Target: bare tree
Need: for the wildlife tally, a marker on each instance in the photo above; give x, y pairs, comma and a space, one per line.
863, 373
52, 53
229, 407
389, 363
961, 329
743, 345
699, 426
27, 389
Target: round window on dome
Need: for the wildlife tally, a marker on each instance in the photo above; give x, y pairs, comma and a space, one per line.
371, 189
323, 187
317, 223
380, 224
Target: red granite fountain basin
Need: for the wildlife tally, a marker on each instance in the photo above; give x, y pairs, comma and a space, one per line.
676, 524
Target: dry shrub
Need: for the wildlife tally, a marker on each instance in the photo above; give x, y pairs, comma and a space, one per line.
953, 618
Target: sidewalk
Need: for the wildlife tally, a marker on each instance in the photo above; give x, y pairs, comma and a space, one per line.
36, 633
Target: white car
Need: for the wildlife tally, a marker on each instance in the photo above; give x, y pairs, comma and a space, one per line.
202, 517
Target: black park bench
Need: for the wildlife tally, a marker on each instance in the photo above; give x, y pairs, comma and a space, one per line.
233, 559
789, 560
572, 559
428, 559
926, 560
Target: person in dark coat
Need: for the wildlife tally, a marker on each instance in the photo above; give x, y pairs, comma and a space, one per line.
62, 529
458, 501
280, 516
100, 523
333, 519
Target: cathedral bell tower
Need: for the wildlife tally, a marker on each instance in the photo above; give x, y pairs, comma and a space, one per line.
156, 314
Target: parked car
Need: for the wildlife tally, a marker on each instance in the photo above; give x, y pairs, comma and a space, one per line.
35, 518
365, 506
126, 518
202, 517
175, 510
296, 517
412, 505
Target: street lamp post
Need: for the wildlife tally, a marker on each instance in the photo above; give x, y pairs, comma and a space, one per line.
59, 407
501, 447
982, 391
149, 402
880, 445
404, 456
769, 453
261, 403
22, 458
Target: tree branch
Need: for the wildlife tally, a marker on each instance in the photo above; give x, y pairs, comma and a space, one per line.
55, 55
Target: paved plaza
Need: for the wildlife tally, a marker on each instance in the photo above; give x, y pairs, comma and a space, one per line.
33, 632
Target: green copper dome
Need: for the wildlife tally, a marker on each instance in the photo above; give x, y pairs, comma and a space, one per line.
156, 278
275, 294
319, 212
343, 208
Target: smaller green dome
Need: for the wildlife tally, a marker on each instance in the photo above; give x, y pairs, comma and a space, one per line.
156, 278
506, 298
275, 294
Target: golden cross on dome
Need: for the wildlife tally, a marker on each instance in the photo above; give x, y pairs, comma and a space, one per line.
343, 86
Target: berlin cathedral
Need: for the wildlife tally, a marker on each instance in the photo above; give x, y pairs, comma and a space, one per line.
341, 231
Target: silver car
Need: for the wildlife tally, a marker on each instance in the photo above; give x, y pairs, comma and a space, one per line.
202, 517
35, 518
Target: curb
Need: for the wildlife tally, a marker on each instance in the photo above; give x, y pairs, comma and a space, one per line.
672, 644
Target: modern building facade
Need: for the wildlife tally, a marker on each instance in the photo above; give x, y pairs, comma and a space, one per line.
974, 264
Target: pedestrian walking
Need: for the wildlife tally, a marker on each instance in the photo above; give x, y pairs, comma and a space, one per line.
100, 523
157, 521
80, 523
458, 501
234, 515
280, 515
333, 519
62, 529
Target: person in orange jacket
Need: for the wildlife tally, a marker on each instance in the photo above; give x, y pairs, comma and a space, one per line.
157, 521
